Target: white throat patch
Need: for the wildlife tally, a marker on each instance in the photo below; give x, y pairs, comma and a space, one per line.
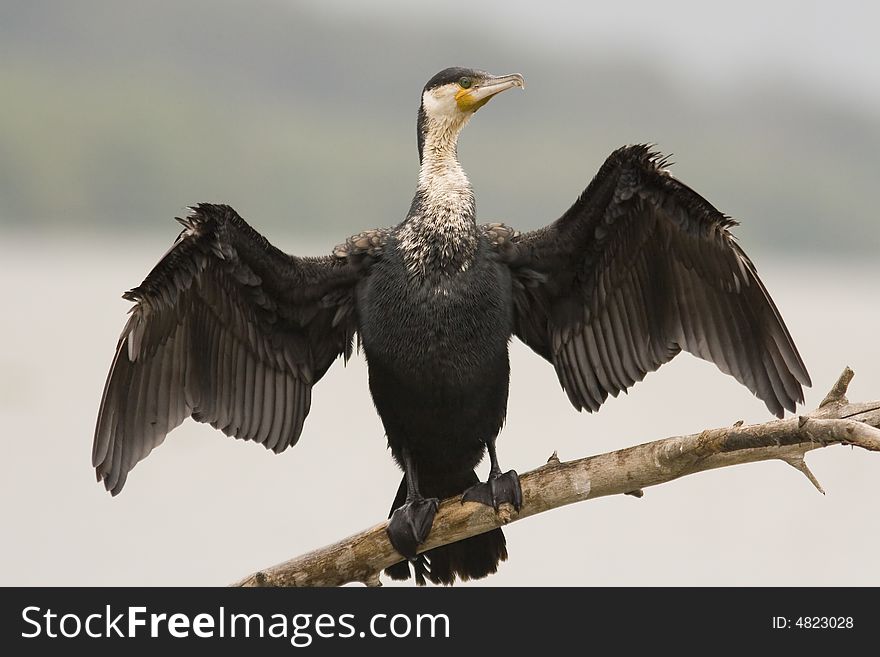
440, 103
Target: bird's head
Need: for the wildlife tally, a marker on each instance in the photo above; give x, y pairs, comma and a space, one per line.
453, 95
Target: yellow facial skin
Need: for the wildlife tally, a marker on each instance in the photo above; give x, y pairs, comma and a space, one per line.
466, 101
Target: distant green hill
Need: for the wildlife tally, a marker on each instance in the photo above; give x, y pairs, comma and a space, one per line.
116, 115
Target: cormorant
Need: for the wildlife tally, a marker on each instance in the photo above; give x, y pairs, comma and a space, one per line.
229, 330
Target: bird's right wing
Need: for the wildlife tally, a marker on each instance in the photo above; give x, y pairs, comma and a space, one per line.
638, 269
229, 330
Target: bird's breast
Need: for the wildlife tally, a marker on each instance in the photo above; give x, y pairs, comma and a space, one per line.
448, 324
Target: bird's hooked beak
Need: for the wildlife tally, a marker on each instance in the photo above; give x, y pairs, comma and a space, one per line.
470, 100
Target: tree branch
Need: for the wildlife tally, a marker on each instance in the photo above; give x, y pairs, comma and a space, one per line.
361, 557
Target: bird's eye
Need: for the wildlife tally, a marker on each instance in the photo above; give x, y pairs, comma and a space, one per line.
465, 83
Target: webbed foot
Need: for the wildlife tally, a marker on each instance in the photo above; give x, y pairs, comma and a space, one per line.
499, 489
410, 524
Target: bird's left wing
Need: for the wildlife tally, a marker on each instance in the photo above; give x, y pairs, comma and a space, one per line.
639, 268
231, 331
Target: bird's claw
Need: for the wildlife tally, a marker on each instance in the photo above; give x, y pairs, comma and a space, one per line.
410, 525
499, 489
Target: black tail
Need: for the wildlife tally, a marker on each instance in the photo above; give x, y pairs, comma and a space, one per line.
472, 558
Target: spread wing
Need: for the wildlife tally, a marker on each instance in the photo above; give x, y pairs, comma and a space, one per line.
639, 268
226, 329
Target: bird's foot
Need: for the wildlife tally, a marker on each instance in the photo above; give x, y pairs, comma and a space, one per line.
410, 524
499, 489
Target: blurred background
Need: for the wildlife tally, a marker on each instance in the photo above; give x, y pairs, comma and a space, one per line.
116, 115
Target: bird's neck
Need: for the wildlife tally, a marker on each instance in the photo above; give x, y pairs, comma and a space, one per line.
440, 232
443, 186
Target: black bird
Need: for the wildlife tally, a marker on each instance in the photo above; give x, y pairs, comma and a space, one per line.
229, 330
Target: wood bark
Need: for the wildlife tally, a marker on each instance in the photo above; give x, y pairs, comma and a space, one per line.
363, 556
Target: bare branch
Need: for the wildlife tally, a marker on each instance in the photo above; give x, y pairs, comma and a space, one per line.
838, 390
798, 463
361, 557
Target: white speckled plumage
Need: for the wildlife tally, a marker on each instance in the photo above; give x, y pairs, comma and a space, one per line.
441, 227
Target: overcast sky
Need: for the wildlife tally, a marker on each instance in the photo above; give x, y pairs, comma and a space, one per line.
832, 43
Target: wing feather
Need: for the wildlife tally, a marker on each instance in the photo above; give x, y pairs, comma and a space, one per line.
638, 269
226, 329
